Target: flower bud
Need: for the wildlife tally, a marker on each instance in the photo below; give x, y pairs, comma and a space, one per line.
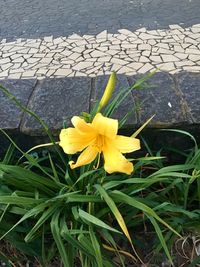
108, 91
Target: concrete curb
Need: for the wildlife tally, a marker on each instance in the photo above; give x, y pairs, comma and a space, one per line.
173, 98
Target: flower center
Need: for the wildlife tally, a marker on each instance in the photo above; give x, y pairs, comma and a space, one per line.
100, 141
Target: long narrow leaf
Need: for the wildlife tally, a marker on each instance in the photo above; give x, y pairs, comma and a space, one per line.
114, 210
45, 216
97, 249
55, 229
121, 197
92, 219
161, 238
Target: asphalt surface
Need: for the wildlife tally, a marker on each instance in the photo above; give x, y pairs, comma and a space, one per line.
39, 18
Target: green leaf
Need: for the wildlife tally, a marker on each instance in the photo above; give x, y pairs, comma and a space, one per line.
55, 229
92, 219
182, 132
45, 216
123, 198
84, 198
9, 154
28, 177
97, 249
53, 168
114, 210
161, 238
24, 201
84, 175
147, 182
67, 235
142, 127
36, 210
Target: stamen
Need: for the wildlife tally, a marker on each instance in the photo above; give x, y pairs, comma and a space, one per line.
98, 162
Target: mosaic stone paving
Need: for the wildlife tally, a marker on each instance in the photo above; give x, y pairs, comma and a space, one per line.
173, 50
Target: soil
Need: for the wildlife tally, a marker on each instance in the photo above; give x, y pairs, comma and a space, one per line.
184, 251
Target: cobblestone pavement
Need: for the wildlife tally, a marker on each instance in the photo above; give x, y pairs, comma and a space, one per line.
173, 50
39, 18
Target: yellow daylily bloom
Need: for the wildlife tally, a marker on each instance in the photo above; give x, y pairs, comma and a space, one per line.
97, 137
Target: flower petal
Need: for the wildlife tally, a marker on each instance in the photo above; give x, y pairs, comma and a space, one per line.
126, 144
105, 126
81, 125
86, 157
72, 141
115, 161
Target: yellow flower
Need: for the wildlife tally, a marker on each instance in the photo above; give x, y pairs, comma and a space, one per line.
97, 137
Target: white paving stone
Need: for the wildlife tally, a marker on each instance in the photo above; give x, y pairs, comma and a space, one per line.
102, 35
142, 30
122, 37
75, 37
73, 56
3, 74
125, 32
144, 47
184, 63
151, 42
181, 55
166, 66
16, 66
119, 61
29, 73
178, 49
33, 51
192, 68
32, 60
79, 49
103, 48
48, 39
146, 53
63, 72
4, 61
144, 59
7, 54
164, 51
6, 66
104, 59
191, 41
168, 58
146, 68
135, 65
82, 65
45, 60
42, 71
175, 26
146, 36
15, 76
125, 69
195, 29
192, 51
155, 58
97, 54
194, 57
173, 50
